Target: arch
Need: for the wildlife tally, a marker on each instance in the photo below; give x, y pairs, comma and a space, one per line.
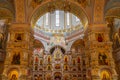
57, 76
112, 9
13, 72
52, 49
66, 59
75, 8
48, 77
38, 44
78, 42
114, 12
6, 14
49, 58
105, 74
12, 69
106, 69
13, 75
111, 4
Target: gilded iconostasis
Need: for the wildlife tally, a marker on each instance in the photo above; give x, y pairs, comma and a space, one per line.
59, 39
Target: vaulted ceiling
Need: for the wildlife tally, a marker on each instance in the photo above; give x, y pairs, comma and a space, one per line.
7, 10
112, 8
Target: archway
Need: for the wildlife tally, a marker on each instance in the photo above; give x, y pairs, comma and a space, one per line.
60, 61
13, 75
112, 16
105, 75
57, 76
68, 6
78, 45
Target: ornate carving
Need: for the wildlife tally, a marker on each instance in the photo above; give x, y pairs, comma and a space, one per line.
20, 11
98, 11
16, 59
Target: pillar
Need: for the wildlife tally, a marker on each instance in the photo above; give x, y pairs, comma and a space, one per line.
18, 52
99, 53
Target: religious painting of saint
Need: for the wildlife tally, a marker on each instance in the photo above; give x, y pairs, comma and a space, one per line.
49, 67
41, 62
48, 77
103, 59
40, 77
36, 67
66, 59
13, 77
78, 59
73, 61
100, 37
105, 75
16, 59
116, 40
49, 59
36, 60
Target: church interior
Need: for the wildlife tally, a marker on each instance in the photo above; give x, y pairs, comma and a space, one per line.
59, 39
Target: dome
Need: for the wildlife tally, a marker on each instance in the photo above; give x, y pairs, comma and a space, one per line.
58, 22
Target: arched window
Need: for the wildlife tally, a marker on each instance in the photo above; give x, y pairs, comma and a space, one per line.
57, 18
47, 19
68, 19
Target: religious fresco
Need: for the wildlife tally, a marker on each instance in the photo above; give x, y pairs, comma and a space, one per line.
19, 37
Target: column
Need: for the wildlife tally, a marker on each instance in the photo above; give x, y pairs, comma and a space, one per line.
99, 53
18, 52
100, 63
